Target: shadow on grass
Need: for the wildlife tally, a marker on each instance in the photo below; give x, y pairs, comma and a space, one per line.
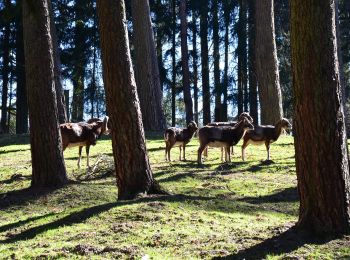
8, 139
16, 177
14, 151
286, 195
82, 215
283, 243
17, 224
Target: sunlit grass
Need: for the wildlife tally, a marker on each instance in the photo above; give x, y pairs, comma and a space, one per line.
215, 210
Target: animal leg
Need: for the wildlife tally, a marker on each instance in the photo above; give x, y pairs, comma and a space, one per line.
232, 150
244, 145
228, 154
180, 152
166, 151
87, 149
267, 144
184, 154
206, 151
79, 158
222, 154
200, 151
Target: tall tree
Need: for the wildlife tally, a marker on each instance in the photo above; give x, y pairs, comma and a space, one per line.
242, 58
134, 174
146, 67
195, 64
253, 91
216, 54
173, 56
266, 63
61, 107
227, 14
48, 167
184, 62
79, 62
323, 173
21, 95
5, 70
205, 62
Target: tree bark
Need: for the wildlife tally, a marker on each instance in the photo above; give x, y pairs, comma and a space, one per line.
216, 54
133, 171
320, 141
184, 62
21, 92
78, 74
48, 169
205, 63
61, 109
146, 67
266, 63
173, 55
5, 72
242, 58
253, 84
227, 14
195, 66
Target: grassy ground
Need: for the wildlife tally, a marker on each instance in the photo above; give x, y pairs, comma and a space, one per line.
241, 210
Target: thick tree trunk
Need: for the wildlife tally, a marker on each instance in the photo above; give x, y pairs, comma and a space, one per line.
5, 72
21, 92
253, 84
78, 76
184, 63
266, 63
134, 174
205, 63
146, 67
61, 109
48, 169
173, 55
195, 66
320, 141
216, 54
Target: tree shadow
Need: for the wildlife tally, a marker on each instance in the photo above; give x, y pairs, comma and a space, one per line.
16, 177
283, 243
82, 215
285, 195
14, 151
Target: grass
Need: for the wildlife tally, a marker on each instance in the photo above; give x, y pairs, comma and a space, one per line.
240, 210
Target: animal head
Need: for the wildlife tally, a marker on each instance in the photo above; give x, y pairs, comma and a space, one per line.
285, 124
100, 126
245, 115
192, 126
247, 125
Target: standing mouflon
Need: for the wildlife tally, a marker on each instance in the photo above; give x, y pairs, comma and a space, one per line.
264, 134
174, 136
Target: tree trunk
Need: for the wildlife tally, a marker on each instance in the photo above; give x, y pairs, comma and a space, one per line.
266, 63
184, 62
242, 58
227, 14
78, 74
21, 95
61, 109
134, 174
320, 141
195, 66
48, 169
216, 54
5, 72
253, 84
205, 63
173, 54
146, 67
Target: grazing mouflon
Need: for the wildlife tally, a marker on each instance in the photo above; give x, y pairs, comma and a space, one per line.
264, 134
174, 136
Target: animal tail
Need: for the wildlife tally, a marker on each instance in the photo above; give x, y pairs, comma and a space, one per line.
166, 136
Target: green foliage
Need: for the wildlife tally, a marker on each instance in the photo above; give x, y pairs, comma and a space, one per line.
243, 209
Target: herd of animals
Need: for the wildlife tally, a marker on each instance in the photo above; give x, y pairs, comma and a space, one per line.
217, 134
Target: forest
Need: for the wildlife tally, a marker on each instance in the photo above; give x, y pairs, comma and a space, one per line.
174, 129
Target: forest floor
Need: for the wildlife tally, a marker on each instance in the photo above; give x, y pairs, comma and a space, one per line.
240, 210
